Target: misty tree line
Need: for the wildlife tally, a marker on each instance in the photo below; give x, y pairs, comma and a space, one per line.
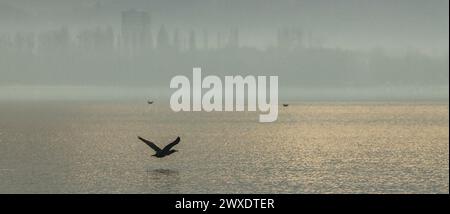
104, 39
99, 56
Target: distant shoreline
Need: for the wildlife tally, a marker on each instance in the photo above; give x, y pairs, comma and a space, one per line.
348, 94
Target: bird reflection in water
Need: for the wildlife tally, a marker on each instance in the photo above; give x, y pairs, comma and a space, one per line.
162, 171
161, 180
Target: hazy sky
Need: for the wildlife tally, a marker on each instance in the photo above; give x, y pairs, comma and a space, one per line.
354, 24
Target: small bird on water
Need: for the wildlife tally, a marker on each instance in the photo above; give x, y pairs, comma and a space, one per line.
160, 153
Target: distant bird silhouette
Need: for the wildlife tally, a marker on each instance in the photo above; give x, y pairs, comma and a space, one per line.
285, 105
167, 150
149, 102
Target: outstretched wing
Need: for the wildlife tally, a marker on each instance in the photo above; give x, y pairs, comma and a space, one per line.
152, 145
170, 145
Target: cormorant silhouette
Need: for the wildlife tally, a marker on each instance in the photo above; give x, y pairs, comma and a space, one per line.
167, 150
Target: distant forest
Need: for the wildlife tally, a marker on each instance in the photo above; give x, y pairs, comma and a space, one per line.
102, 56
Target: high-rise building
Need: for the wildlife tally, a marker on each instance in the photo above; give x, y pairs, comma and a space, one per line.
136, 33
192, 41
162, 39
290, 38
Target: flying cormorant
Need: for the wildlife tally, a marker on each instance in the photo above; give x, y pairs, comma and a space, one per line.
167, 150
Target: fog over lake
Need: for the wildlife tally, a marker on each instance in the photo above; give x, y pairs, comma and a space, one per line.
381, 47
363, 96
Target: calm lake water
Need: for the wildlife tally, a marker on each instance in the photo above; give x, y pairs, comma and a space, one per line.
92, 147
